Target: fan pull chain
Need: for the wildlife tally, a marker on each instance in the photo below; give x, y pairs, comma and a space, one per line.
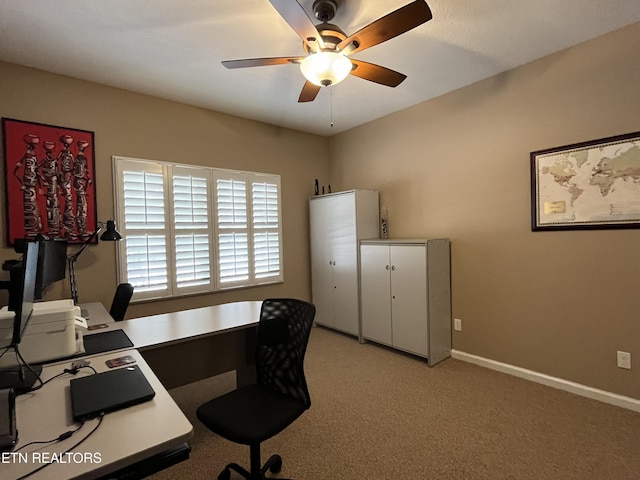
331, 107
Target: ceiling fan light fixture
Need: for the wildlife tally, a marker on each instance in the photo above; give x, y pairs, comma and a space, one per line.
326, 68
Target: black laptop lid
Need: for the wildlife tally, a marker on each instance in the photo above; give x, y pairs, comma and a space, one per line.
109, 391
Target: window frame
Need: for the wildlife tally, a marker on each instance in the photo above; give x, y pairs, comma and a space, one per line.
170, 170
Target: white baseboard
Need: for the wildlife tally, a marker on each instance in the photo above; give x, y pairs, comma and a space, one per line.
559, 383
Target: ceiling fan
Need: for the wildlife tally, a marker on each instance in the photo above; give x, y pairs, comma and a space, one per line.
329, 48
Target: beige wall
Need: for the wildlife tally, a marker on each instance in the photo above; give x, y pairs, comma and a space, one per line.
559, 303
134, 125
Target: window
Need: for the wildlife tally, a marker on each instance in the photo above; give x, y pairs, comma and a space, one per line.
193, 229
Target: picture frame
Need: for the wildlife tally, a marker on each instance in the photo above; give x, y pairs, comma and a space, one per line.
588, 185
50, 183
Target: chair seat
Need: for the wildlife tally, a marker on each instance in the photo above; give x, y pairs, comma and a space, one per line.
250, 414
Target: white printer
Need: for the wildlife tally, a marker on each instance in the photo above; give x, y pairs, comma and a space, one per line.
54, 331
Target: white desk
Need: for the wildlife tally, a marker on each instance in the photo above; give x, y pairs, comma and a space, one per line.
190, 345
124, 438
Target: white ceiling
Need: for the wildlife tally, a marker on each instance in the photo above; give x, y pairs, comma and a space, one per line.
173, 49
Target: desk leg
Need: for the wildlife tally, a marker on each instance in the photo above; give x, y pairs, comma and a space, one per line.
186, 362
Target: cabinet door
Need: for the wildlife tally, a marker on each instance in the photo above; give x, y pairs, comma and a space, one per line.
322, 284
375, 285
409, 298
344, 252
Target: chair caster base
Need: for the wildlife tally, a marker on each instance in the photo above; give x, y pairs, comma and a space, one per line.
273, 465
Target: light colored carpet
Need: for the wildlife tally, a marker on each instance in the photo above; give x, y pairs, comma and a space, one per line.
381, 414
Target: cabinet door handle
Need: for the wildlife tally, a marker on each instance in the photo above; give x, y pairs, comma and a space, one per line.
387, 267
393, 267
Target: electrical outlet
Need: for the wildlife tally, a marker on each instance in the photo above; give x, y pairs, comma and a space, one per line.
624, 360
457, 324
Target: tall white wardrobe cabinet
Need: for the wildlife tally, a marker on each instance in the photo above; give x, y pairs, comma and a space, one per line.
338, 221
406, 295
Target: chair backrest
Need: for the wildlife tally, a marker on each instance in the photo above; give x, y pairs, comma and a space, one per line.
120, 303
281, 344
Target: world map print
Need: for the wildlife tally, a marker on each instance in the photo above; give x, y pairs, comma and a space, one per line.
589, 185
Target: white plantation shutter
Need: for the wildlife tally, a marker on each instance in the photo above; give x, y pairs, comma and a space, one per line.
233, 239
146, 262
143, 229
192, 260
266, 233
191, 227
234, 257
267, 254
143, 200
194, 229
190, 202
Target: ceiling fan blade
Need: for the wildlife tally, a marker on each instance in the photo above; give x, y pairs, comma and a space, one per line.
309, 92
376, 73
260, 62
385, 28
297, 18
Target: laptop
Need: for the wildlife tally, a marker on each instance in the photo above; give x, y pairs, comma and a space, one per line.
109, 391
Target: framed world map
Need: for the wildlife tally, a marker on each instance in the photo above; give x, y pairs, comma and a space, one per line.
589, 185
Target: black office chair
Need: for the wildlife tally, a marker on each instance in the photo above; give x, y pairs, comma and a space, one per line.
255, 413
121, 300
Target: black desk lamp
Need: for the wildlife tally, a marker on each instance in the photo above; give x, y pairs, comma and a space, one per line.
110, 234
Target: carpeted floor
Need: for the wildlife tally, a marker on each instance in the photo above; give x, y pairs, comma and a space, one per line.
380, 414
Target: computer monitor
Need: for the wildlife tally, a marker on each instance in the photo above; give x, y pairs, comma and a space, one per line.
52, 264
27, 294
22, 377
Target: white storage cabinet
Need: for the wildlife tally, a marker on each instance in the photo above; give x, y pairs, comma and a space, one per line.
337, 222
406, 295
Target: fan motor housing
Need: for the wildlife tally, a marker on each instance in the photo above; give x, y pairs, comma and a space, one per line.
331, 36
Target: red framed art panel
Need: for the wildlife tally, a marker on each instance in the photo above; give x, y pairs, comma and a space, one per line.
49, 181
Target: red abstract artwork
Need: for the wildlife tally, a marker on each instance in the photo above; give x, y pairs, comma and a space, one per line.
50, 181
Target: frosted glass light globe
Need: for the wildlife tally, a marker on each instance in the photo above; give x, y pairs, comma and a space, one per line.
325, 68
